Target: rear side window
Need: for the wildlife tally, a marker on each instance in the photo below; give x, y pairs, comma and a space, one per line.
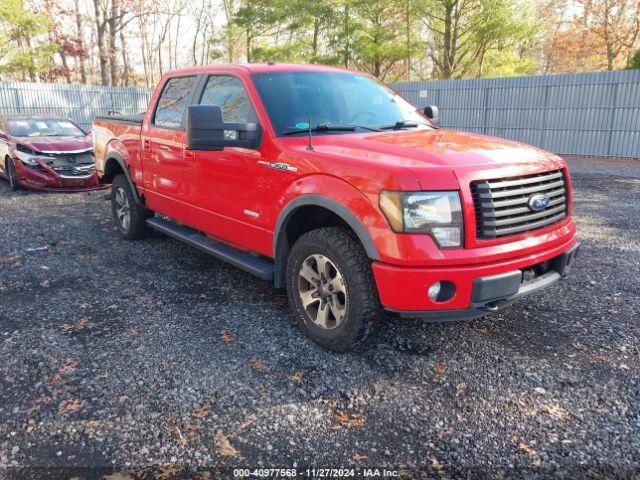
173, 101
228, 93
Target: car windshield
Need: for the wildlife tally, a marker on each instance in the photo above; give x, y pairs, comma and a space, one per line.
43, 127
333, 99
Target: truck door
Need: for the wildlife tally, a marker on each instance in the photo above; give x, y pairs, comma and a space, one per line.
163, 140
225, 185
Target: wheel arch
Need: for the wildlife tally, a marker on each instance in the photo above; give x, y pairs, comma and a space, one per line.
306, 213
115, 165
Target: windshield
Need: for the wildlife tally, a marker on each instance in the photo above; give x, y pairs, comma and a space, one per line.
332, 98
43, 127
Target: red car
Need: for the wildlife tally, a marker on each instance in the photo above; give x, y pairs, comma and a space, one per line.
333, 186
46, 153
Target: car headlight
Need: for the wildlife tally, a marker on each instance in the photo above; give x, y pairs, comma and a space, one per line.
30, 158
438, 214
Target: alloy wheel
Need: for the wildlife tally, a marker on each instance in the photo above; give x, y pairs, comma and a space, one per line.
322, 291
123, 212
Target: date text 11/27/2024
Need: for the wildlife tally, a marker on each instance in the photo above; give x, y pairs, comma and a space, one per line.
315, 473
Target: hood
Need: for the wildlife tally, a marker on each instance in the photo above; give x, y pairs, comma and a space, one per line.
56, 144
468, 156
434, 148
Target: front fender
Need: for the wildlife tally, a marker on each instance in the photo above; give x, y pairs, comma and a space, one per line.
337, 196
336, 207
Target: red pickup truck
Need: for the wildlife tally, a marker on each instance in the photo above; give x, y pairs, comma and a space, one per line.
333, 186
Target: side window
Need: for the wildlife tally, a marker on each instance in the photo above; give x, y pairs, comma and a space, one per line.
228, 93
173, 101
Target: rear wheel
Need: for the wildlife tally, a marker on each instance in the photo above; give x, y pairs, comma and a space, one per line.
331, 290
10, 170
130, 217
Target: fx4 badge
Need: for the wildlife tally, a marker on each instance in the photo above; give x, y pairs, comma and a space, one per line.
285, 167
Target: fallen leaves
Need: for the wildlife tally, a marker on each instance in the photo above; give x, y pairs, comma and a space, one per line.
69, 366
182, 439
117, 476
439, 369
201, 411
226, 336
78, 325
258, 365
556, 412
132, 332
483, 330
527, 449
349, 420
358, 458
70, 406
168, 472
437, 466
223, 445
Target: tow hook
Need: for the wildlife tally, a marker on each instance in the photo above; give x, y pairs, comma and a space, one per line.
491, 307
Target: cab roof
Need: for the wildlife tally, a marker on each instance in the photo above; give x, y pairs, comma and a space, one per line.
260, 68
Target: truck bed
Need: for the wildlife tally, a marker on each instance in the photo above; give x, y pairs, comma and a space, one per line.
119, 133
130, 119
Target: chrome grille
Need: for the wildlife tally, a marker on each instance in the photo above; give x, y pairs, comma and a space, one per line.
502, 204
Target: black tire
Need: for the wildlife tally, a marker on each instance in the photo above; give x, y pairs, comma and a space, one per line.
361, 306
11, 175
122, 198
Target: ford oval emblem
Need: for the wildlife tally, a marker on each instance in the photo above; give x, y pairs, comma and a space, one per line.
538, 202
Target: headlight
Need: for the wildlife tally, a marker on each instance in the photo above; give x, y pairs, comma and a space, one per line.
438, 214
30, 158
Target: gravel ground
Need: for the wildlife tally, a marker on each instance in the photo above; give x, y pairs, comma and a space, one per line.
129, 355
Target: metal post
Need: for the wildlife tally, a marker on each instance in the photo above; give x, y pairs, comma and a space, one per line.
612, 115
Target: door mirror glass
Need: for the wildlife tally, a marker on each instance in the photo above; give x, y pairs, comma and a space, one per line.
431, 112
207, 131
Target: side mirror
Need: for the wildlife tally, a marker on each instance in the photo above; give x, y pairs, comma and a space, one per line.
431, 111
3, 136
207, 131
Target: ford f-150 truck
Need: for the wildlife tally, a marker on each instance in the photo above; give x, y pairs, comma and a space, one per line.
333, 186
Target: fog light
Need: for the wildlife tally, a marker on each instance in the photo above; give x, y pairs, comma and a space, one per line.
434, 291
442, 291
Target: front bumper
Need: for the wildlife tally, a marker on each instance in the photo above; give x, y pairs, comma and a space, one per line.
479, 290
46, 179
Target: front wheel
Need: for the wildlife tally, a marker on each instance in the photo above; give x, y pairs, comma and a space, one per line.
331, 290
11, 175
130, 217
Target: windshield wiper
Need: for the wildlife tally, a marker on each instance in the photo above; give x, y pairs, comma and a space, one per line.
331, 127
399, 125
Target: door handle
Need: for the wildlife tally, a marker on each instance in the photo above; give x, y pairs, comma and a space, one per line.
146, 145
